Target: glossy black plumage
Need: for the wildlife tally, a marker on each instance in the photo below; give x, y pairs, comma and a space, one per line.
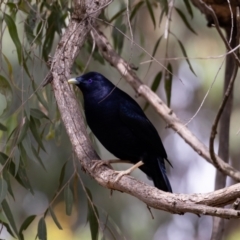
122, 127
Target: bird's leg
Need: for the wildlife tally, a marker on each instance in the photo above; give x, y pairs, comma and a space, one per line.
128, 171
99, 163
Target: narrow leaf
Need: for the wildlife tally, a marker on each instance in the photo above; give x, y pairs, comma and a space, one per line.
23, 130
30, 23
16, 160
6, 94
182, 16
34, 130
68, 198
117, 15
10, 69
62, 174
36, 154
42, 229
189, 8
135, 9
164, 5
93, 217
36, 113
2, 127
55, 218
3, 189
155, 50
6, 225
23, 153
185, 54
151, 13
14, 35
6, 176
23, 178
25, 225
168, 84
156, 81
9, 216
154, 86
39, 95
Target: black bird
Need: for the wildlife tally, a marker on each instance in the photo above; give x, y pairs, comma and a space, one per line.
122, 127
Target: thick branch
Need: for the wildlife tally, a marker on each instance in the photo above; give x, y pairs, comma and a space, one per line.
65, 55
168, 115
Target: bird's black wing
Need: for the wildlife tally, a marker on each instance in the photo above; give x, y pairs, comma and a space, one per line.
134, 118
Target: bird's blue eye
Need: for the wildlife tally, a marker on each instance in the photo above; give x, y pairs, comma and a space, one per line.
90, 80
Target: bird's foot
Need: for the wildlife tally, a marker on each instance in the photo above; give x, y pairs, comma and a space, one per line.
120, 174
99, 163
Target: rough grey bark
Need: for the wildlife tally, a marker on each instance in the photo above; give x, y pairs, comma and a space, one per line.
220, 181
66, 52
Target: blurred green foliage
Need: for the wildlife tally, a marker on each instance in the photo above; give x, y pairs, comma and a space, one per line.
43, 191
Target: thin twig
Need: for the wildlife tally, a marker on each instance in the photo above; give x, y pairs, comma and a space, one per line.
168, 115
215, 19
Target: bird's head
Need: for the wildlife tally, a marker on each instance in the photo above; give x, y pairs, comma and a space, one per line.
92, 83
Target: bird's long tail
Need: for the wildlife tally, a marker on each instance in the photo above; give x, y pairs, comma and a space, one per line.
157, 172
162, 181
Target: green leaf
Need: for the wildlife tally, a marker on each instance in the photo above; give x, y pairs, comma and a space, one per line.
189, 8
34, 130
25, 225
16, 160
55, 218
23, 130
154, 86
36, 154
6, 176
168, 83
14, 35
30, 23
155, 50
135, 9
6, 95
42, 229
8, 228
10, 69
23, 153
156, 81
3, 189
2, 127
21, 176
39, 96
117, 15
62, 174
9, 216
161, 17
185, 54
36, 113
164, 5
93, 217
151, 13
118, 35
68, 198
182, 16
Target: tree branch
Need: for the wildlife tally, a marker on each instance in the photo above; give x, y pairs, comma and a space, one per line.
224, 110
65, 54
166, 113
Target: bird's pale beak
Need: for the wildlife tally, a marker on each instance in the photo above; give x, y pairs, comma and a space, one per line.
72, 81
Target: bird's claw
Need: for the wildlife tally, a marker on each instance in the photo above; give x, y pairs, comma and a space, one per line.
120, 174
99, 163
